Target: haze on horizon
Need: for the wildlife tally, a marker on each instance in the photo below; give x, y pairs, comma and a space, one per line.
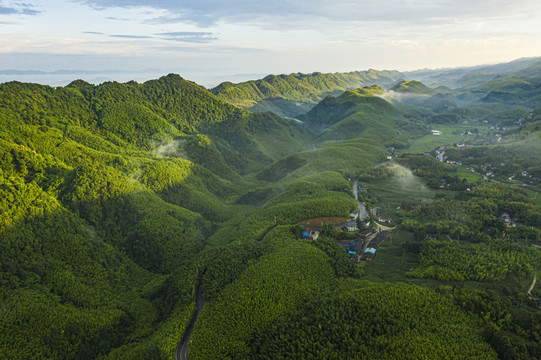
210, 41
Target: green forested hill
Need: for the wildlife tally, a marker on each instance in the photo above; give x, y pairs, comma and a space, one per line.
374, 321
500, 99
412, 87
294, 94
351, 132
365, 114
148, 116
333, 110
518, 91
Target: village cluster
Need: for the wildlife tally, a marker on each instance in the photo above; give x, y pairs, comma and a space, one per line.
363, 247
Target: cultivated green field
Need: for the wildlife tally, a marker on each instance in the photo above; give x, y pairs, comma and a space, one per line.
431, 142
396, 261
471, 177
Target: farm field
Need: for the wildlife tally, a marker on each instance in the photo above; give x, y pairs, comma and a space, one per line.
396, 261
471, 177
430, 142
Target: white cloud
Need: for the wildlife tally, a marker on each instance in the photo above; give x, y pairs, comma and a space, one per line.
208, 12
188, 36
262, 36
18, 8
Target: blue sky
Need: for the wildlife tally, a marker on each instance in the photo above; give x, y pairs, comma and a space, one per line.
213, 40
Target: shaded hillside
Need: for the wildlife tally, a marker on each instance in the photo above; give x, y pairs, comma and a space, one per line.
513, 91
361, 113
354, 131
294, 94
335, 109
496, 100
440, 102
346, 157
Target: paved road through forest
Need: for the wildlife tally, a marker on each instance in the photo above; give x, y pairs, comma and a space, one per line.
182, 348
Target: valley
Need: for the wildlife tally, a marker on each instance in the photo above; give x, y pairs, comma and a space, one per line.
126, 206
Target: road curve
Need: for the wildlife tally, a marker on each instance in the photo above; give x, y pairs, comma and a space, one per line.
182, 348
362, 210
532, 285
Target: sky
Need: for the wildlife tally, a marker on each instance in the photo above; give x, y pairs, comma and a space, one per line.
209, 41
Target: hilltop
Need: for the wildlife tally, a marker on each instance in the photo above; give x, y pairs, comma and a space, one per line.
412, 87
361, 113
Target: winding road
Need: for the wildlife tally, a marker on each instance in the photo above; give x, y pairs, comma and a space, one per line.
362, 209
385, 228
532, 285
182, 348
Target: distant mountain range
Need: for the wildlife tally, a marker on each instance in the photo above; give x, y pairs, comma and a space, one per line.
295, 94
477, 75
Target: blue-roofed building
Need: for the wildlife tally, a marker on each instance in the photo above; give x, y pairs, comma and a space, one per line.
369, 254
350, 226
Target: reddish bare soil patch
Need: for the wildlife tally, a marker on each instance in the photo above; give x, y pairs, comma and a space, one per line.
324, 220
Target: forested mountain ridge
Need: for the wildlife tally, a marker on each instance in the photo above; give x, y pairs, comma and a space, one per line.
152, 114
294, 94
